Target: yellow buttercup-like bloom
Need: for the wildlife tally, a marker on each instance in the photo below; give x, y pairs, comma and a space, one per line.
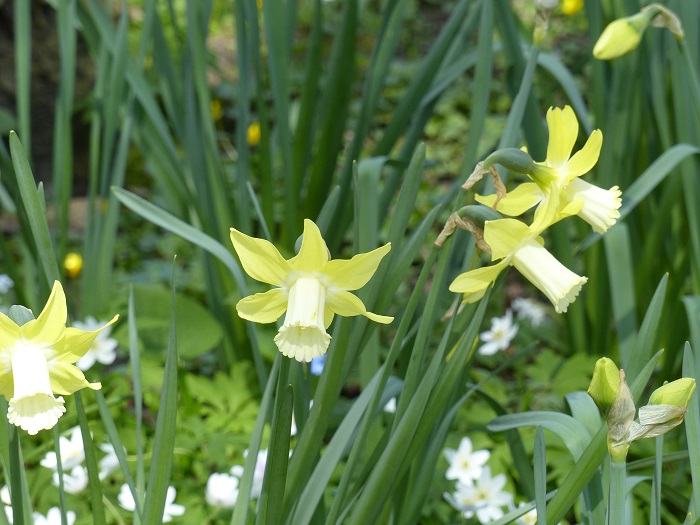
571, 7
36, 364
310, 287
253, 134
73, 264
559, 175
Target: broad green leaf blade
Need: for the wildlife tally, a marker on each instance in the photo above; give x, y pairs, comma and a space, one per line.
646, 182
572, 432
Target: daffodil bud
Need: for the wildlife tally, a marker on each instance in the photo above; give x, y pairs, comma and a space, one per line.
605, 383
620, 419
677, 393
623, 35
516, 160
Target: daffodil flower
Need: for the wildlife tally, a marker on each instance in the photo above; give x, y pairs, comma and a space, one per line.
559, 176
310, 287
517, 244
36, 364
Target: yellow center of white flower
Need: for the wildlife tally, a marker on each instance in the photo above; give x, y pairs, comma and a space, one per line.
33, 406
303, 335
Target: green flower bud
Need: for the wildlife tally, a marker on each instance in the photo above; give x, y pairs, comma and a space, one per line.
605, 383
676, 393
514, 159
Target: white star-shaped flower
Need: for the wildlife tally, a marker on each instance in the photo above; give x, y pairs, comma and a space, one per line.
502, 332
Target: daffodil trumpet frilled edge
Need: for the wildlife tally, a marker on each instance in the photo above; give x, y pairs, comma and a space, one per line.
558, 175
310, 287
36, 363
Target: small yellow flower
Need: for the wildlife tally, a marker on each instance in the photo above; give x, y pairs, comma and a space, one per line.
559, 176
36, 363
216, 110
571, 7
73, 264
309, 287
253, 134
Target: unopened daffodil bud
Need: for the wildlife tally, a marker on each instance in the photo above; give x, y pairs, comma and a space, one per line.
605, 383
624, 34
676, 393
543, 10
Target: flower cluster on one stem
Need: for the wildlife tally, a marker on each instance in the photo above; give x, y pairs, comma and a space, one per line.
555, 191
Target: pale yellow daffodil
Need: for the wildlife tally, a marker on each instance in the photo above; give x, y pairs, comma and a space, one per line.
519, 245
310, 287
559, 175
36, 364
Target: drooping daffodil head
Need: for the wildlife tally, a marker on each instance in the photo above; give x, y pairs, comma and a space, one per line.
514, 243
36, 363
310, 287
559, 175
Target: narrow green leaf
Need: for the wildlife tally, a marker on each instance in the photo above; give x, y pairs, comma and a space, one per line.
98, 513
164, 442
34, 210
571, 431
692, 425
540, 469
277, 459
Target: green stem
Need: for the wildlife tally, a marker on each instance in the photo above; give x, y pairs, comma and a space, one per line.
616, 501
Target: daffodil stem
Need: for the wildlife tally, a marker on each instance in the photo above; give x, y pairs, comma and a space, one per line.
16, 476
59, 469
616, 501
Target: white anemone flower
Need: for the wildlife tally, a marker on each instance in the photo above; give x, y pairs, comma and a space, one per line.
258, 473
485, 499
126, 501
110, 462
72, 452
502, 332
466, 464
74, 482
53, 517
6, 283
529, 309
222, 490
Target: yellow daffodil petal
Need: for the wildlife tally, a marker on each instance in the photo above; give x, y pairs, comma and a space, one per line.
9, 331
355, 273
473, 284
584, 159
263, 307
516, 202
346, 304
563, 131
51, 323
328, 315
260, 259
313, 254
67, 379
76, 343
504, 236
